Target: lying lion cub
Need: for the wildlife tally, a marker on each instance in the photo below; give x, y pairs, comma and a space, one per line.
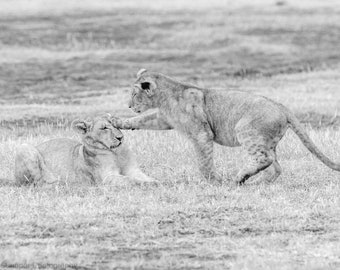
99, 156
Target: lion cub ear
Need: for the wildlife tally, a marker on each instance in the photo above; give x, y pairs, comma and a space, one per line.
81, 126
140, 72
149, 87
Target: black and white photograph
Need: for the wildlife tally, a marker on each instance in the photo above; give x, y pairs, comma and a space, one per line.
170, 134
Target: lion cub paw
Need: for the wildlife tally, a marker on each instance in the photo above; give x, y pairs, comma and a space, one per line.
143, 179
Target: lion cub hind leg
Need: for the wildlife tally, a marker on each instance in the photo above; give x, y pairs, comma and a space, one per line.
30, 166
261, 157
272, 172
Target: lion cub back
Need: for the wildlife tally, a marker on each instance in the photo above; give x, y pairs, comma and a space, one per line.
59, 156
51, 161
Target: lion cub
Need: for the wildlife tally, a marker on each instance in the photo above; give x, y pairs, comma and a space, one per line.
205, 116
99, 156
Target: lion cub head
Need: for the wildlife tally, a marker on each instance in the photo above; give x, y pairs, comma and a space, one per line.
144, 93
98, 133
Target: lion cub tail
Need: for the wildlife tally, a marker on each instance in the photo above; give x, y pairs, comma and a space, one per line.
296, 126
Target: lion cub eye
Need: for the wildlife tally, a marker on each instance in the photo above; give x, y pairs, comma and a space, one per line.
104, 128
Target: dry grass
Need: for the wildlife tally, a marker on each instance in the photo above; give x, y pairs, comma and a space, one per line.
76, 61
183, 223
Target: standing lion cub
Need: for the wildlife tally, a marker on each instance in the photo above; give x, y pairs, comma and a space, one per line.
229, 118
101, 155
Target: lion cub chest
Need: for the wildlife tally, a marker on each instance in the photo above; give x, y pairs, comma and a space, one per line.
112, 164
108, 167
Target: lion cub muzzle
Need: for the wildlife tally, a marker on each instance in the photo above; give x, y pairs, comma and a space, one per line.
119, 141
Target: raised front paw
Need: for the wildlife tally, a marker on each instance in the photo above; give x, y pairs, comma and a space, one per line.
116, 121
121, 123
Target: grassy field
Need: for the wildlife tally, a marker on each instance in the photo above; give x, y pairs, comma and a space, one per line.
64, 62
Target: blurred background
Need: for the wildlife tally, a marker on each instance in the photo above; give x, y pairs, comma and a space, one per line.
60, 59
